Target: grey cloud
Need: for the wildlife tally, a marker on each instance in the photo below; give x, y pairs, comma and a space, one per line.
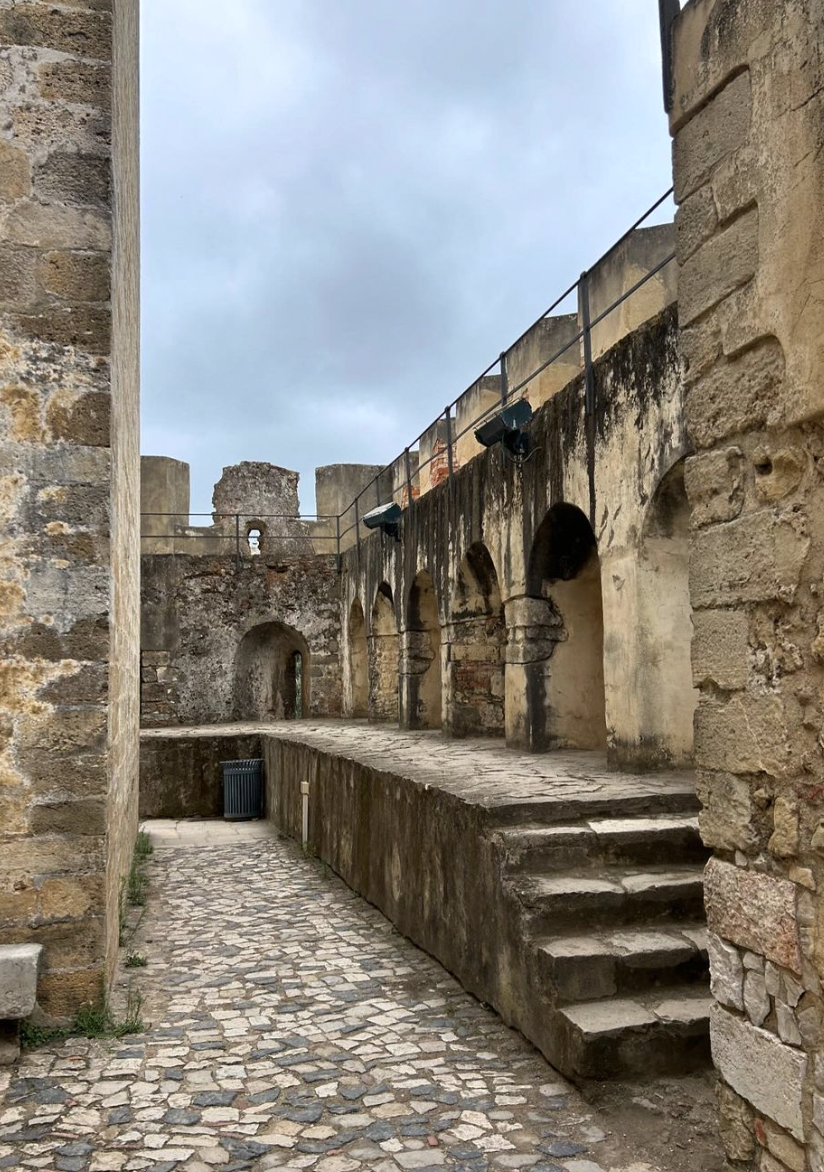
351, 207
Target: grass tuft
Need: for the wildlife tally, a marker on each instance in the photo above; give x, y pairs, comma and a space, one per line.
135, 961
90, 1021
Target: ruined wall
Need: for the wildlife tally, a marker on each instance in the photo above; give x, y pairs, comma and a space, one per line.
748, 127
638, 424
68, 445
196, 614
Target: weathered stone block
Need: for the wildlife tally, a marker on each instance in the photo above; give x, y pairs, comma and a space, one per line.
778, 473
79, 33
71, 898
754, 910
15, 172
767, 746
726, 972
741, 394
726, 817
756, 1001
81, 419
735, 183
76, 81
86, 327
718, 267
760, 1068
18, 277
57, 226
755, 558
76, 276
720, 648
735, 1119
74, 178
74, 817
695, 222
701, 345
715, 486
715, 132
19, 965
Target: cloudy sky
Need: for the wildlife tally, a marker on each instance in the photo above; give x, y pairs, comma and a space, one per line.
351, 206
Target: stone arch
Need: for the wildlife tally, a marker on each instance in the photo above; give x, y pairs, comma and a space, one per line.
421, 693
476, 636
565, 702
358, 662
383, 657
663, 683
272, 678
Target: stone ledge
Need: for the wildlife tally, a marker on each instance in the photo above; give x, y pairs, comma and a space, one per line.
19, 964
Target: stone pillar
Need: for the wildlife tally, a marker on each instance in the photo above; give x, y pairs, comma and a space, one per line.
534, 628
69, 583
748, 127
416, 657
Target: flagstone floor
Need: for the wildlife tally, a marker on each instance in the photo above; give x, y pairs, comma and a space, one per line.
289, 1026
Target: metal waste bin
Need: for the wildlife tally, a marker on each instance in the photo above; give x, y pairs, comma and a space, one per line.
242, 789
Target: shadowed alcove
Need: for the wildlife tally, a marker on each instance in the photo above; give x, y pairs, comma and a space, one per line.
358, 661
565, 570
477, 642
422, 659
383, 657
272, 674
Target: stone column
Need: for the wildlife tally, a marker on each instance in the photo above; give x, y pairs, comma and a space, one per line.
534, 628
69, 581
748, 127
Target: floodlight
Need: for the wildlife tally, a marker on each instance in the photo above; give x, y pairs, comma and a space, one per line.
386, 518
507, 429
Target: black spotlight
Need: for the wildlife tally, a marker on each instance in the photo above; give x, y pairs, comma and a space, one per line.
386, 518
507, 429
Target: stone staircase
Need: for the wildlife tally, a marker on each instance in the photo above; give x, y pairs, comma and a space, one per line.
612, 917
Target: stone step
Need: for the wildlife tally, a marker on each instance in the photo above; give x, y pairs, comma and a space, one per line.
621, 961
607, 896
659, 1033
661, 838
674, 799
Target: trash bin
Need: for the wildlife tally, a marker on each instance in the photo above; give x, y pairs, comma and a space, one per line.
242, 789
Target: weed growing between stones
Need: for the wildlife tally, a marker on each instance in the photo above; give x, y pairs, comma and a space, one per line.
90, 1021
135, 961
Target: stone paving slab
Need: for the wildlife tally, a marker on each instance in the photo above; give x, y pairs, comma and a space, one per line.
291, 1027
478, 770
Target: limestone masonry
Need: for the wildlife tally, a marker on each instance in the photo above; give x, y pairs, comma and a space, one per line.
566, 731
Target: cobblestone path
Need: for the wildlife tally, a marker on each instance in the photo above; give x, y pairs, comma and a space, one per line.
289, 1026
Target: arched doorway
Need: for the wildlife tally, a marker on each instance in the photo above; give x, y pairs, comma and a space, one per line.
421, 696
383, 657
358, 662
271, 674
565, 695
477, 643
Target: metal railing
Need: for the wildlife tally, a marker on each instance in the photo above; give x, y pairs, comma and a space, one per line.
582, 336
379, 488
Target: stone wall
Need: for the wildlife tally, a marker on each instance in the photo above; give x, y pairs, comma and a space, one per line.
181, 777
488, 540
748, 127
206, 626
69, 483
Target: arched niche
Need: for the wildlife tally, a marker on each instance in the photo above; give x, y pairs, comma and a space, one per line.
476, 635
272, 678
565, 692
663, 673
421, 698
358, 661
383, 657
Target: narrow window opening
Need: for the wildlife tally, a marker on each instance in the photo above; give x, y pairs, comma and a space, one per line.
254, 539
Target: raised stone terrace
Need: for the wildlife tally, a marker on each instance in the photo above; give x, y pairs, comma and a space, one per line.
567, 896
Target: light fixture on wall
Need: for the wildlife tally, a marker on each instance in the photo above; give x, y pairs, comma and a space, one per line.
386, 518
507, 429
